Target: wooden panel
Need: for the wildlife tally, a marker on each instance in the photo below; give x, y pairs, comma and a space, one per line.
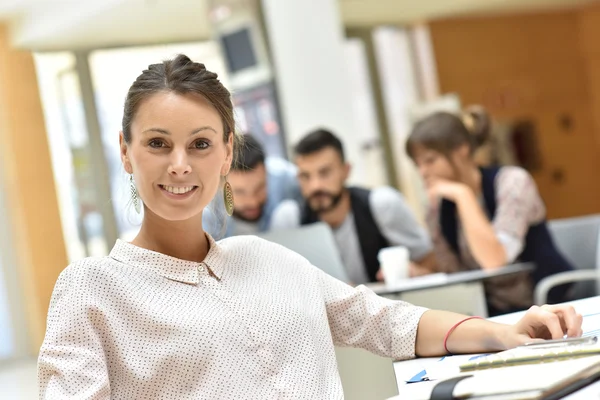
541, 67
565, 152
504, 41
590, 47
25, 163
521, 90
589, 17
593, 75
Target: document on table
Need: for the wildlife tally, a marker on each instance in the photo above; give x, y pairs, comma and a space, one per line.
445, 367
591, 324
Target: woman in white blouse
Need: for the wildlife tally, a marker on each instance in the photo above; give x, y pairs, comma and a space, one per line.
176, 315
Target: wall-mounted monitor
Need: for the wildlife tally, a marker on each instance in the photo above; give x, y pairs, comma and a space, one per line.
240, 36
238, 50
244, 49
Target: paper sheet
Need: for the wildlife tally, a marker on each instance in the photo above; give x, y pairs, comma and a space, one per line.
591, 324
446, 367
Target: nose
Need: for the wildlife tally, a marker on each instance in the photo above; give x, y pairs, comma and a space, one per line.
179, 164
314, 184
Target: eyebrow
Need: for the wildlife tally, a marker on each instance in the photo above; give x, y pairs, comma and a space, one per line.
195, 131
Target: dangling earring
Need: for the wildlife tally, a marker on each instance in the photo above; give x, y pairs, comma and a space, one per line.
135, 198
228, 197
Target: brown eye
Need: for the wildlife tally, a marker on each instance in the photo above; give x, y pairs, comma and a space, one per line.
201, 145
156, 143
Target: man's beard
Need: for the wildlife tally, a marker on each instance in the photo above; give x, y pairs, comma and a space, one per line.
334, 198
240, 216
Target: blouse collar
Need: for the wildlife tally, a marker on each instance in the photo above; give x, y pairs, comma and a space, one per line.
171, 267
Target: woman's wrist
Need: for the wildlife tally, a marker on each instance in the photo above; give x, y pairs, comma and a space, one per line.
498, 339
464, 194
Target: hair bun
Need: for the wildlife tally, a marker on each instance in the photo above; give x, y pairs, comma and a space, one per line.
478, 123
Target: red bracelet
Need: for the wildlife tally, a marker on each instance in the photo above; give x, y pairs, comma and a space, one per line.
452, 330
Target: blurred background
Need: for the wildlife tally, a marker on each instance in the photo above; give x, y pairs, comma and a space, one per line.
367, 69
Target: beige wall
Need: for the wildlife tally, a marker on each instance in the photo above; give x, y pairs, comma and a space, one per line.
30, 190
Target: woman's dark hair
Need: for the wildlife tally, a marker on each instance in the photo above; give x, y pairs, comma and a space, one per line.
180, 75
445, 132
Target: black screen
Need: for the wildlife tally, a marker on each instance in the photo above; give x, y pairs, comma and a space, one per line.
238, 50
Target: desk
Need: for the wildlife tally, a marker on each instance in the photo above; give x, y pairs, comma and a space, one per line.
405, 369
460, 292
441, 280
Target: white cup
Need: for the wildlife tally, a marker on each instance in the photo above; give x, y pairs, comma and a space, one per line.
394, 263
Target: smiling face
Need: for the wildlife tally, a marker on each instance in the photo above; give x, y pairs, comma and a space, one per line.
177, 154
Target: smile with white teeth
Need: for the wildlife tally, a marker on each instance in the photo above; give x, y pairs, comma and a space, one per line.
178, 189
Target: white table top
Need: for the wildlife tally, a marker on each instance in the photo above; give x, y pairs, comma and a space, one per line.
441, 279
589, 308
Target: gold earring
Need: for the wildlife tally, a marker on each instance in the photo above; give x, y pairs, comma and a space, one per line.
135, 198
228, 197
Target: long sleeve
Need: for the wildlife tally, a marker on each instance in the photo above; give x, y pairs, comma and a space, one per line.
398, 223
71, 362
519, 205
360, 318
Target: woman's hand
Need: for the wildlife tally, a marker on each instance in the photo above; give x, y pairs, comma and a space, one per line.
443, 188
542, 323
415, 270
482, 336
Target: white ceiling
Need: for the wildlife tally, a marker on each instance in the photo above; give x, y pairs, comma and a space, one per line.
60, 24
67, 24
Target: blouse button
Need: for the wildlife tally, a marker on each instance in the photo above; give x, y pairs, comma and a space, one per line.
200, 268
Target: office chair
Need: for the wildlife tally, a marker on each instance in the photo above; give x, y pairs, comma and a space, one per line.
579, 241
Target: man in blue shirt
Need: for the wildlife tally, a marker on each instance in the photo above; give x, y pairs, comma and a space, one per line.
259, 184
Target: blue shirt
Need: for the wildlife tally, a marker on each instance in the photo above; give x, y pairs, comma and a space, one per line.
282, 184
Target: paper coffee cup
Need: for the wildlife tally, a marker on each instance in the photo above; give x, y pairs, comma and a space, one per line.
394, 263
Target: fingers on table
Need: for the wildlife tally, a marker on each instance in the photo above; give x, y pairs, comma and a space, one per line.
568, 318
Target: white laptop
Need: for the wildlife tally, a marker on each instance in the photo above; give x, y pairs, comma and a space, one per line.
316, 243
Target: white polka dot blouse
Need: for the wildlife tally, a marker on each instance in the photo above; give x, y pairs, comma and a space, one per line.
253, 321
